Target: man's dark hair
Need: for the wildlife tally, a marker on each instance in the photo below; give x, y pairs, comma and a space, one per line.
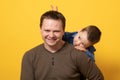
53, 15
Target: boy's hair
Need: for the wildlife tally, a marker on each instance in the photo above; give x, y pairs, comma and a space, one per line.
93, 33
53, 15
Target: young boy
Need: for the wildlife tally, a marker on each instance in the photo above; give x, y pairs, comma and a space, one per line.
84, 39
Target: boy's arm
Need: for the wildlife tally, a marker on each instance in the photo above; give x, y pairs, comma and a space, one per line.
91, 55
90, 52
65, 36
69, 36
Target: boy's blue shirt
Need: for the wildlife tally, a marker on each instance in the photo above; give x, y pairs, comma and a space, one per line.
69, 36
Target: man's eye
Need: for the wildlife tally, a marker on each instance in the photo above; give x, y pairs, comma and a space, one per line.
46, 30
56, 31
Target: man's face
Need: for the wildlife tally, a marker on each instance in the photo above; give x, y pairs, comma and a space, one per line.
80, 40
52, 32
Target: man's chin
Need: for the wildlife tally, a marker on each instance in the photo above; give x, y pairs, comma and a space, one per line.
51, 44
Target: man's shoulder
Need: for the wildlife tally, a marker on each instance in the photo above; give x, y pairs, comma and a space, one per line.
35, 49
69, 46
77, 56
73, 50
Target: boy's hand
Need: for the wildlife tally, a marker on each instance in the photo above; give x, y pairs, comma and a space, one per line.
56, 9
81, 48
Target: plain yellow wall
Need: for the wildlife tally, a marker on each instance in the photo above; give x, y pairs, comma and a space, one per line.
19, 31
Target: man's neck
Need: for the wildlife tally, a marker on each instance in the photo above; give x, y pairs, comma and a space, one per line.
55, 48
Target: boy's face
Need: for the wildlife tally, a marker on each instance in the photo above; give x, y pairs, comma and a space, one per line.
80, 40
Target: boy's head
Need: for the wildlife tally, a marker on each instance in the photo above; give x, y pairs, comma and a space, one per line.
87, 36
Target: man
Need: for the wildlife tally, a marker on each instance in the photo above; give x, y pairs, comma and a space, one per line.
56, 59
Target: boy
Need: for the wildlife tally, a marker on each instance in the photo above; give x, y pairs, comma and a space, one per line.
84, 39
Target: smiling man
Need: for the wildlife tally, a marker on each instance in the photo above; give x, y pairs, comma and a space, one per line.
52, 32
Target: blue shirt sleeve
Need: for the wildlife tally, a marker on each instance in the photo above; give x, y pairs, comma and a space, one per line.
90, 52
69, 36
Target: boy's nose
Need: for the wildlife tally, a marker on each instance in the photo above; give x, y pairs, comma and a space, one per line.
78, 42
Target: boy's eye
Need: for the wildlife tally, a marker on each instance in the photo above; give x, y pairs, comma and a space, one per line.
79, 37
83, 44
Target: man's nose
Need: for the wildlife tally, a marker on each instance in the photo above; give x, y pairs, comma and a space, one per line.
51, 34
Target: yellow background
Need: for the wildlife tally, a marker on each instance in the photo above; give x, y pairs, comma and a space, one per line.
19, 31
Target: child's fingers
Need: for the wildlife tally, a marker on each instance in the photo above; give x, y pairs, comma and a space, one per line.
56, 9
52, 7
